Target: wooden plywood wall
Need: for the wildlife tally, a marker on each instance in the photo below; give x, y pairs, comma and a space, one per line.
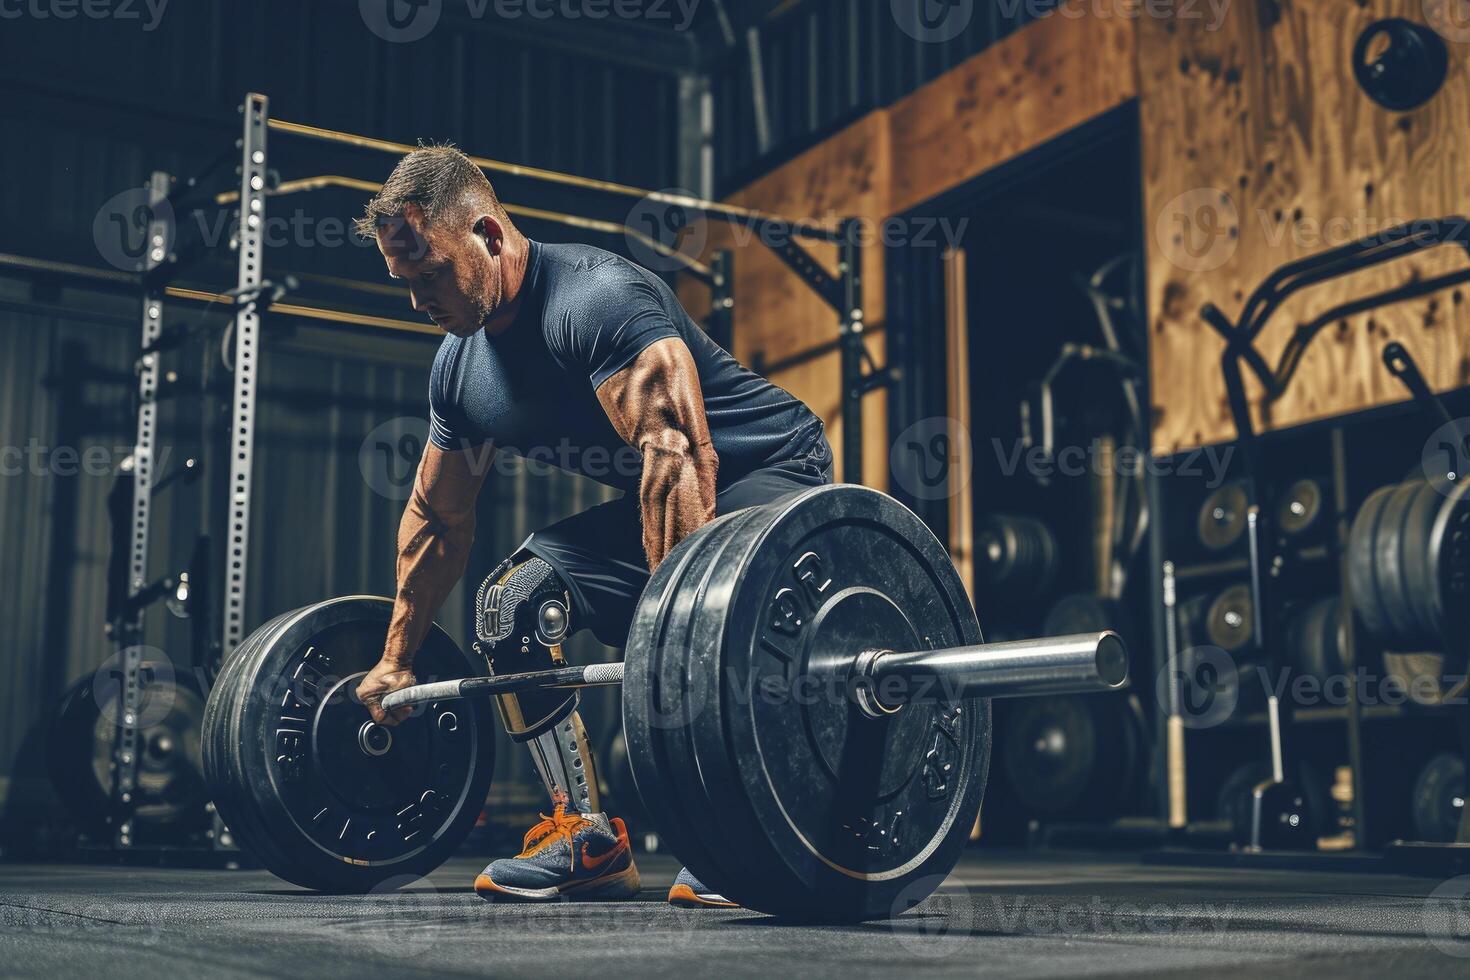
1050, 76
779, 321
1260, 148
1013, 97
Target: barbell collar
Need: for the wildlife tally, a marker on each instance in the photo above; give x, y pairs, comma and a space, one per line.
1082, 663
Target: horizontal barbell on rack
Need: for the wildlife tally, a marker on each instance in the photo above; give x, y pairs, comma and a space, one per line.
805, 690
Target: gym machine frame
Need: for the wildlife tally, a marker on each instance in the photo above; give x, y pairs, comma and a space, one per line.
1265, 560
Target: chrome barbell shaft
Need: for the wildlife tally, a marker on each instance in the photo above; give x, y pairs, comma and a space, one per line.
1079, 664
1082, 663
593, 675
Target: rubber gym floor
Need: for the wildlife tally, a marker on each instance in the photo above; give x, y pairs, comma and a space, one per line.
1008, 915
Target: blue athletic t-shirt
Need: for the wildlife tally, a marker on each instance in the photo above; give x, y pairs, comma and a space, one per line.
586, 314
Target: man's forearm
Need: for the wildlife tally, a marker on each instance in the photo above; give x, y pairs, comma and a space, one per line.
677, 496
433, 550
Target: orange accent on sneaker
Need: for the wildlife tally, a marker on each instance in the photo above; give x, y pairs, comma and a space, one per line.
621, 885
559, 825
686, 897
593, 863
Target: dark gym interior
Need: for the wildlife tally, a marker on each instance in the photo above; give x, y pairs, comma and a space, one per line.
1028, 442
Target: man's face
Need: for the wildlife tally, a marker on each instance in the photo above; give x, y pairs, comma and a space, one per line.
453, 274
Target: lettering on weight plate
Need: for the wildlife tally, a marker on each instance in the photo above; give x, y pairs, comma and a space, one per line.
290, 754
943, 757
789, 609
810, 573
877, 834
786, 613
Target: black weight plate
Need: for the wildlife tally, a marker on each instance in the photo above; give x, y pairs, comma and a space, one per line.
1300, 507
622, 794
1052, 750
1228, 623
1313, 639
314, 805
698, 827
826, 814
1222, 517
1015, 552
170, 791
1388, 567
656, 709
1362, 560
1233, 801
1449, 556
220, 752
1420, 582
1439, 798
240, 811
857, 811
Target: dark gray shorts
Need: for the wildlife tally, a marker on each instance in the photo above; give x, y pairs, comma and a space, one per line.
599, 552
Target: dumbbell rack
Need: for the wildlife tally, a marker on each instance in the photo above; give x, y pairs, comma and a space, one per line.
1266, 556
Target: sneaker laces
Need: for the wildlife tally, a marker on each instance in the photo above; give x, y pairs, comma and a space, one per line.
559, 824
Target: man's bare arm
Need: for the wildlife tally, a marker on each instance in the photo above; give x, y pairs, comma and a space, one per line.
434, 540
657, 406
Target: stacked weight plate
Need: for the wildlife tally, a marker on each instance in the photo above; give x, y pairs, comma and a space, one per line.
785, 798
304, 781
1409, 561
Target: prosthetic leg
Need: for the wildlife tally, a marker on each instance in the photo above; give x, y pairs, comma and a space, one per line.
523, 614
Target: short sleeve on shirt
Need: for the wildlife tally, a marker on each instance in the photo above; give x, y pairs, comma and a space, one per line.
448, 428
613, 328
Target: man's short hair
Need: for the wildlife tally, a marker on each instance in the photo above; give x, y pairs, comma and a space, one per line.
443, 182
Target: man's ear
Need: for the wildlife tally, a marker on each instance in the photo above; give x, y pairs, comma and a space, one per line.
491, 232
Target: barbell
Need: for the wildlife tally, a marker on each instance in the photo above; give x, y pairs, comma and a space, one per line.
805, 704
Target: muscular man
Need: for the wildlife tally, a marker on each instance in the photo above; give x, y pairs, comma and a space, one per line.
573, 351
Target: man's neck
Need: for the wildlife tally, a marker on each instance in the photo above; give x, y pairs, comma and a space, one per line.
517, 260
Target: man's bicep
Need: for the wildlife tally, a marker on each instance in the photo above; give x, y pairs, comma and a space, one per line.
449, 480
657, 397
